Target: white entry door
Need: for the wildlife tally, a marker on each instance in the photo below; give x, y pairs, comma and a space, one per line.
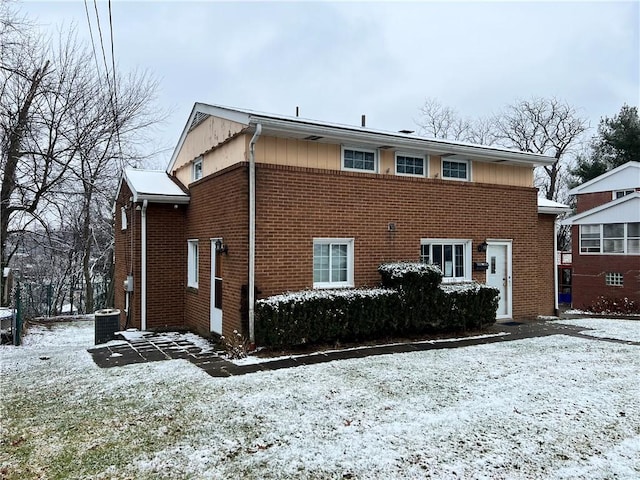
499, 274
216, 289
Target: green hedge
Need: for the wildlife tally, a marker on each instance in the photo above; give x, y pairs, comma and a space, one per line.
320, 316
413, 301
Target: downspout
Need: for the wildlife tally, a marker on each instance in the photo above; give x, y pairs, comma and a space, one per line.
555, 264
252, 231
143, 268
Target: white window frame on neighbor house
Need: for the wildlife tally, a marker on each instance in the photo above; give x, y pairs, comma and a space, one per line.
333, 283
467, 163
196, 169
193, 256
608, 243
614, 279
449, 274
412, 156
621, 193
362, 150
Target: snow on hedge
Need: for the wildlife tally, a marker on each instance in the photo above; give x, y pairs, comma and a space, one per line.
464, 287
306, 295
400, 269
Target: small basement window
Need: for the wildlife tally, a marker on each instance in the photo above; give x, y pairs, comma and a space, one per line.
614, 279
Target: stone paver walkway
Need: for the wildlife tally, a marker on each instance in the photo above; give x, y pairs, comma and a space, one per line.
151, 347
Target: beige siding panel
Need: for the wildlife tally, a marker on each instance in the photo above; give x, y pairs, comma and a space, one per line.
435, 166
217, 159
502, 174
210, 133
387, 162
297, 153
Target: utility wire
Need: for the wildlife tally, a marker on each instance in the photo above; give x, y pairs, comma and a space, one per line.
115, 93
93, 43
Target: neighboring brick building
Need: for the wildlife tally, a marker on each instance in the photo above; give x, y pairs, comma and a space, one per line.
606, 237
331, 203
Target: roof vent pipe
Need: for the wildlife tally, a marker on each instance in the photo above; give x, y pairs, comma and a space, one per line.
297, 112
364, 120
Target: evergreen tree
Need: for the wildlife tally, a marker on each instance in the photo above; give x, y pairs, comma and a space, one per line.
616, 143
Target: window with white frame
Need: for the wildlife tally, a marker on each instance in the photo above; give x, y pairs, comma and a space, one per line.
192, 263
633, 238
452, 256
410, 165
332, 262
359, 159
621, 193
196, 169
614, 279
610, 238
455, 169
613, 238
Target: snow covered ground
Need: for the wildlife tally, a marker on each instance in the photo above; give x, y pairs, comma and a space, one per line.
555, 407
608, 328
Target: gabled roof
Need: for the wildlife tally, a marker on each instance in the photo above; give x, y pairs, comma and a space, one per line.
621, 210
551, 207
325, 132
624, 177
155, 186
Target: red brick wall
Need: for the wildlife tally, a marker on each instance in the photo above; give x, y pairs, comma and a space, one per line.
219, 208
587, 201
546, 261
588, 281
166, 263
296, 204
127, 257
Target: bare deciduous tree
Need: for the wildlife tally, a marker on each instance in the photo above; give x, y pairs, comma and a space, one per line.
546, 126
66, 131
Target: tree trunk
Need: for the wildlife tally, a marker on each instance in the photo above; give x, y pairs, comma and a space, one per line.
14, 142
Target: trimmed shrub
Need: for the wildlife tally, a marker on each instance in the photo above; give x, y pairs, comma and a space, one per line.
468, 306
429, 307
614, 306
326, 316
412, 302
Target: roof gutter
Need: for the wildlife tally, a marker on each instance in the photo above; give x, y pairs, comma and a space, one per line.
252, 232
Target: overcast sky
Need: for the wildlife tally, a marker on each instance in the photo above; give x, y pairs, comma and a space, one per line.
338, 60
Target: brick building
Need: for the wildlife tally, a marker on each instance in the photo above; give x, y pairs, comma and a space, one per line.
253, 205
606, 237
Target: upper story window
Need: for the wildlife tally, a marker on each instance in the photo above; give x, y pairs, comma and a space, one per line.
610, 238
332, 262
410, 165
456, 170
196, 169
359, 160
622, 193
452, 256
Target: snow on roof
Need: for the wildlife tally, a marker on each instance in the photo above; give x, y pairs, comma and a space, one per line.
155, 186
549, 206
624, 177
